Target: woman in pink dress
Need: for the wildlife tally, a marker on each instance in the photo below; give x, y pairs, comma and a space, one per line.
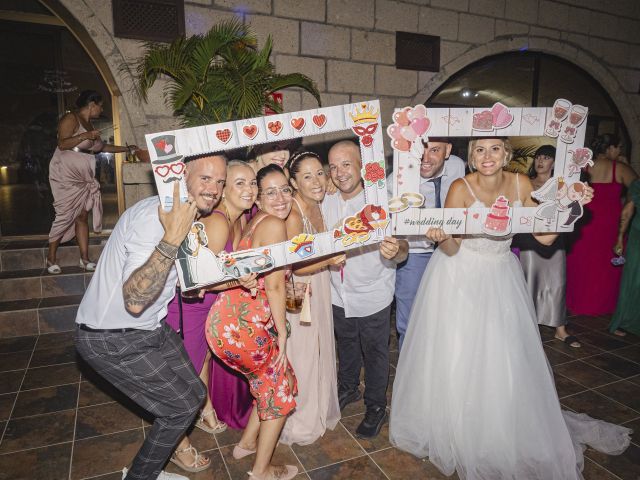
592, 281
229, 401
72, 173
311, 346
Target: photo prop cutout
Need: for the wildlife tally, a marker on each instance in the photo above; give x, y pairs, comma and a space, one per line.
561, 197
197, 266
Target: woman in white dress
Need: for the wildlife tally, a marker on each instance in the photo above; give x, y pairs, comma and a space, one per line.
473, 389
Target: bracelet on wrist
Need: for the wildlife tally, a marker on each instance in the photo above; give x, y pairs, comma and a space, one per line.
167, 250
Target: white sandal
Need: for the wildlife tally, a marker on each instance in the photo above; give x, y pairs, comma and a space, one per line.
53, 268
202, 425
89, 266
194, 467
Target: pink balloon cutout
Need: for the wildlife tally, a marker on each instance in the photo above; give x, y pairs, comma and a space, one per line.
419, 111
401, 117
420, 125
408, 133
393, 131
401, 145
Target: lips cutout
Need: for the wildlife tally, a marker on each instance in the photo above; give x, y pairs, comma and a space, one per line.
476, 215
275, 127
250, 131
320, 120
297, 123
224, 135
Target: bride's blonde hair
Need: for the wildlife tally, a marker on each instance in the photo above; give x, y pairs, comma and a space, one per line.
508, 148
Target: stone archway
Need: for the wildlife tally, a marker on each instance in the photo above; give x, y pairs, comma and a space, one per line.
90, 21
568, 51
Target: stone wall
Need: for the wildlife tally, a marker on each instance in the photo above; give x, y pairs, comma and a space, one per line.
348, 46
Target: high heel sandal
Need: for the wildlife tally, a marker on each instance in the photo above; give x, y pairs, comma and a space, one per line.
202, 425
194, 467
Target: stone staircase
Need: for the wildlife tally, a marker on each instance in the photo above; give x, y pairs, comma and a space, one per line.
33, 302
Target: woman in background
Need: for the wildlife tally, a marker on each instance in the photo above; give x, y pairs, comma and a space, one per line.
72, 173
544, 266
592, 281
627, 315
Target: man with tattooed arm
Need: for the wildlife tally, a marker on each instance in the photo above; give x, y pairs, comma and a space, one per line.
120, 332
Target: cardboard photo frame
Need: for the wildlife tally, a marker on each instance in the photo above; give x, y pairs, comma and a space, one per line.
560, 198
197, 266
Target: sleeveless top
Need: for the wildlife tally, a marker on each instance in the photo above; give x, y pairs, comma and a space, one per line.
483, 243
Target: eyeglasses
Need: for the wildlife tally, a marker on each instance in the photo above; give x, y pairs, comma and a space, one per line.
272, 193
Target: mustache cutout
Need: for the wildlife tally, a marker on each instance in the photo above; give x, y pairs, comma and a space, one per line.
171, 179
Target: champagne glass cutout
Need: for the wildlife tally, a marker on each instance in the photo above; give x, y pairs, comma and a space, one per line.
576, 116
559, 111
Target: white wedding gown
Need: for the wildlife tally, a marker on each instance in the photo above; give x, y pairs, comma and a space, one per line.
473, 390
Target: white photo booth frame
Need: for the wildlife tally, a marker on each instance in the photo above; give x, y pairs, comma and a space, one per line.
559, 205
197, 266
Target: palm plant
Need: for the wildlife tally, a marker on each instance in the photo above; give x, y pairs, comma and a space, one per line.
522, 157
216, 77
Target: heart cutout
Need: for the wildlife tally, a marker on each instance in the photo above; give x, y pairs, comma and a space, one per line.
275, 127
250, 131
162, 170
168, 148
476, 215
224, 135
320, 120
465, 212
298, 123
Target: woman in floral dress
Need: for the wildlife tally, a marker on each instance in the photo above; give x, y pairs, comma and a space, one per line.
249, 334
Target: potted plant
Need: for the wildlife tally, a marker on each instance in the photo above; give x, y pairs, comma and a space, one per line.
216, 77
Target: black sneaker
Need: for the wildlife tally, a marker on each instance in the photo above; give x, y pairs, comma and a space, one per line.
372, 423
347, 397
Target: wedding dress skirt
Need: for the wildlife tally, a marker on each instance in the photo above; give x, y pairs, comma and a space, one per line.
473, 390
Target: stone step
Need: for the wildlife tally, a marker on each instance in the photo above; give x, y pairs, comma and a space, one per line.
16, 255
38, 283
36, 316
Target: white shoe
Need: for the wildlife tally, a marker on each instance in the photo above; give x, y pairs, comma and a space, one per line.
89, 266
163, 475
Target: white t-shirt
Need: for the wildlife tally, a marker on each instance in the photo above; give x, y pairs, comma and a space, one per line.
130, 245
366, 283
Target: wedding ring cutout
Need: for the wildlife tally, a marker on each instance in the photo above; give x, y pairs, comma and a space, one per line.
404, 201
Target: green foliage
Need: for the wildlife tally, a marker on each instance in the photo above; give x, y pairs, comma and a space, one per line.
216, 77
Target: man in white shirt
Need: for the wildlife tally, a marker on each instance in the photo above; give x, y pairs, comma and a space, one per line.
438, 170
361, 294
120, 329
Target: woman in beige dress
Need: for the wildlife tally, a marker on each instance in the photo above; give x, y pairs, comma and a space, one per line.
72, 173
311, 347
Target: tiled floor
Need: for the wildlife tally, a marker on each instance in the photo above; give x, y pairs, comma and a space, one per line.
57, 424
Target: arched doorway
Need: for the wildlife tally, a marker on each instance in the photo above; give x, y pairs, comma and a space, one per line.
526, 78
48, 67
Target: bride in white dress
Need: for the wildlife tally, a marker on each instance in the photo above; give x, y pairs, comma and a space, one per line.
473, 389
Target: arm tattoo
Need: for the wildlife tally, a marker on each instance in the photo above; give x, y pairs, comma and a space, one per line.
145, 284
